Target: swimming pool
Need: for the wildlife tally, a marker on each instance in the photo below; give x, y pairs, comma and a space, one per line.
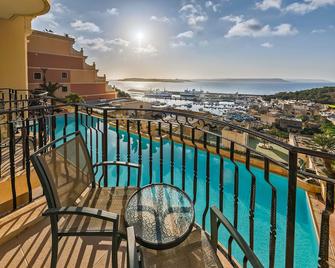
306, 243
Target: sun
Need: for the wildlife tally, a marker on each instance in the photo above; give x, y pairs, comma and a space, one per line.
140, 36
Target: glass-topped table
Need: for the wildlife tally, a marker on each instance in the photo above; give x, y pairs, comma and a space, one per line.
162, 216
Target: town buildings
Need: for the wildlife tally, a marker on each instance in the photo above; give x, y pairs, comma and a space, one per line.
54, 57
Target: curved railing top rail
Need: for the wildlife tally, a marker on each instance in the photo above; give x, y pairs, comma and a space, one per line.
268, 138
205, 118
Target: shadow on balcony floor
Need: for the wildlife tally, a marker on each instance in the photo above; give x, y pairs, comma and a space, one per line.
32, 249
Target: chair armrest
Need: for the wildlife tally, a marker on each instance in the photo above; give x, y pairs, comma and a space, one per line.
83, 211
132, 254
217, 216
117, 163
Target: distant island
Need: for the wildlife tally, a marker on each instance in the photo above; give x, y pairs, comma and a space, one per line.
325, 95
259, 80
154, 80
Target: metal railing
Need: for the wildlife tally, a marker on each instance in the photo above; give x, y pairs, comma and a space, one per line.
153, 127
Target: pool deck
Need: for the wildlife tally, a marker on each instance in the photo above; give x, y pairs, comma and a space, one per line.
317, 208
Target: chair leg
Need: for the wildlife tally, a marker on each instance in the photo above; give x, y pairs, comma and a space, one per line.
54, 245
115, 247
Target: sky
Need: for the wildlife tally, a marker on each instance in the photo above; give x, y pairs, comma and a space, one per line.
199, 39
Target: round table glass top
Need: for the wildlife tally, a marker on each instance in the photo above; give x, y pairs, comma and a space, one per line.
162, 216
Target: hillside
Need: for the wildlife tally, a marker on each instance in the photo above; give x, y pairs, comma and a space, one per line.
325, 95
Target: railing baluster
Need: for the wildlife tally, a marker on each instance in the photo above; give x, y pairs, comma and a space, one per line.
65, 126
172, 154
236, 186
139, 151
221, 175
12, 162
183, 163
76, 119
252, 201
23, 133
273, 227
207, 165
117, 152
104, 147
35, 133
195, 169
150, 151
27, 153
291, 206
161, 153
86, 126
91, 136
128, 152
325, 226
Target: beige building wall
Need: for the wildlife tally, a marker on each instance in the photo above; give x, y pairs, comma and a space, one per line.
83, 76
230, 135
13, 52
44, 43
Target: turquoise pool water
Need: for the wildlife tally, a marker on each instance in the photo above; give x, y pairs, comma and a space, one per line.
306, 243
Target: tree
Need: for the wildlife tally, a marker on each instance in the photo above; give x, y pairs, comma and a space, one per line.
50, 88
121, 93
73, 98
325, 140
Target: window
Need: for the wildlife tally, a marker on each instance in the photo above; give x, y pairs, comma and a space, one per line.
64, 75
37, 76
64, 88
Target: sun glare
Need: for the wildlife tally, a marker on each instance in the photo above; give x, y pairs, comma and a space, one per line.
139, 36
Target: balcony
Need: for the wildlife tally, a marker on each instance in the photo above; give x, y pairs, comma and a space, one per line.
270, 203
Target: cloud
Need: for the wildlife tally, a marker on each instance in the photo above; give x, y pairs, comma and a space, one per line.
46, 21
188, 34
232, 18
267, 4
203, 43
194, 15
253, 28
160, 19
94, 44
87, 26
59, 8
101, 44
211, 5
148, 49
113, 11
267, 45
178, 43
318, 31
119, 42
308, 6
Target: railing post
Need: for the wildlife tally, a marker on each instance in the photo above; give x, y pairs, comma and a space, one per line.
104, 146
53, 125
76, 117
291, 207
12, 161
324, 233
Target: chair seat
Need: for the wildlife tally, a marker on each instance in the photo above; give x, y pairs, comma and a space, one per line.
195, 252
109, 199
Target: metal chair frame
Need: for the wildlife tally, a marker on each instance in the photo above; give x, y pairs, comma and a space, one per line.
54, 212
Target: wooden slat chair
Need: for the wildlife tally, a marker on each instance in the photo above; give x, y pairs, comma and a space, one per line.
197, 251
67, 176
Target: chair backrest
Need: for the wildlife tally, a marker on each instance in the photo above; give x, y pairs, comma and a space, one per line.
65, 171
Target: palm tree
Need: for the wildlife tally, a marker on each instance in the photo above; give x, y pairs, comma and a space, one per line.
50, 87
73, 98
326, 141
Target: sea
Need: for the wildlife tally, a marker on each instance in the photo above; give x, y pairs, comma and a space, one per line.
241, 86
